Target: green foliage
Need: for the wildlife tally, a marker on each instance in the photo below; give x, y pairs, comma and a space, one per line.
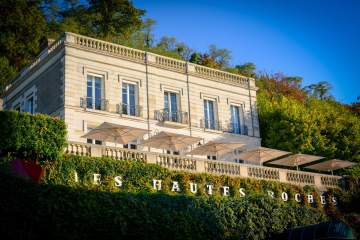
317, 127
36, 137
61, 208
6, 73
22, 26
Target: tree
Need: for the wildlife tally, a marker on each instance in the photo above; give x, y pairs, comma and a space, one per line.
246, 69
114, 18
6, 72
221, 56
320, 90
22, 26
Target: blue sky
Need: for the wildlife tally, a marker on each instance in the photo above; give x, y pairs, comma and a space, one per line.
316, 39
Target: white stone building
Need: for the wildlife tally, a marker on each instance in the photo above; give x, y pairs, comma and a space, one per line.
87, 82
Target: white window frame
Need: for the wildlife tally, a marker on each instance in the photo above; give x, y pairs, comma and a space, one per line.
102, 77
215, 104
136, 84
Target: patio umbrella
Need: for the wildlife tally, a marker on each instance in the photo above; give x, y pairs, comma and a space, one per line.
110, 132
296, 160
261, 154
331, 165
170, 141
216, 148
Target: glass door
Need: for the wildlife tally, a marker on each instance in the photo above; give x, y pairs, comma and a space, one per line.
171, 106
209, 114
129, 99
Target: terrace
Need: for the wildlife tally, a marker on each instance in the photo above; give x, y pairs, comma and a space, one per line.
197, 165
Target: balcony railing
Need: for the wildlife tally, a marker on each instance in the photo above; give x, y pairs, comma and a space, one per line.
185, 163
130, 110
94, 103
178, 117
237, 128
212, 125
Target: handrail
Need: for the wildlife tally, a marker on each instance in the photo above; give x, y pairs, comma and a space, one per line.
186, 163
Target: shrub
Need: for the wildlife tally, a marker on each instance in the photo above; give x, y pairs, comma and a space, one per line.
46, 211
37, 137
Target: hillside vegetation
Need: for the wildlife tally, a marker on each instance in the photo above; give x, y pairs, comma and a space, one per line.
296, 118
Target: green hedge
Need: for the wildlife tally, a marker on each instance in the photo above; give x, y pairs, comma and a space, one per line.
138, 177
46, 211
36, 137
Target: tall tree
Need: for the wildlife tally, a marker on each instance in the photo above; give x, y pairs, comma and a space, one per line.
22, 26
246, 69
221, 56
320, 90
115, 18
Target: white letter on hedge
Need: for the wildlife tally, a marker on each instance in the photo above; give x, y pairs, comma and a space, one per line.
97, 178
76, 176
334, 200
310, 198
193, 187
175, 187
226, 190
322, 199
157, 184
209, 188
118, 182
242, 192
297, 197
271, 194
284, 196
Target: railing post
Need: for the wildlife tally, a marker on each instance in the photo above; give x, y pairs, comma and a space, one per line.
243, 171
151, 158
282, 176
200, 166
317, 180
96, 151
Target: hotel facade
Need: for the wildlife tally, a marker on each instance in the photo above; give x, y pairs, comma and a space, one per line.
87, 82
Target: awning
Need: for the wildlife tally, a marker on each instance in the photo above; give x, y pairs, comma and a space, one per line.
331, 165
110, 132
261, 154
296, 160
215, 148
170, 141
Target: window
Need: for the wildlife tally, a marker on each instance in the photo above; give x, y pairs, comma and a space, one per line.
129, 99
239, 161
171, 106
129, 146
236, 119
94, 92
209, 114
29, 104
211, 157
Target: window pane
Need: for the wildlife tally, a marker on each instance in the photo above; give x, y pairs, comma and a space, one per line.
211, 114
132, 107
98, 93
89, 92
235, 119
206, 115
174, 107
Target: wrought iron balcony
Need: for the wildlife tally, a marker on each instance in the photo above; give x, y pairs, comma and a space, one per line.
94, 103
130, 110
212, 125
237, 128
178, 117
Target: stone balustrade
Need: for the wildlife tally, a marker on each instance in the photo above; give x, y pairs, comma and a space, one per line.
297, 177
263, 173
176, 162
156, 60
185, 163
